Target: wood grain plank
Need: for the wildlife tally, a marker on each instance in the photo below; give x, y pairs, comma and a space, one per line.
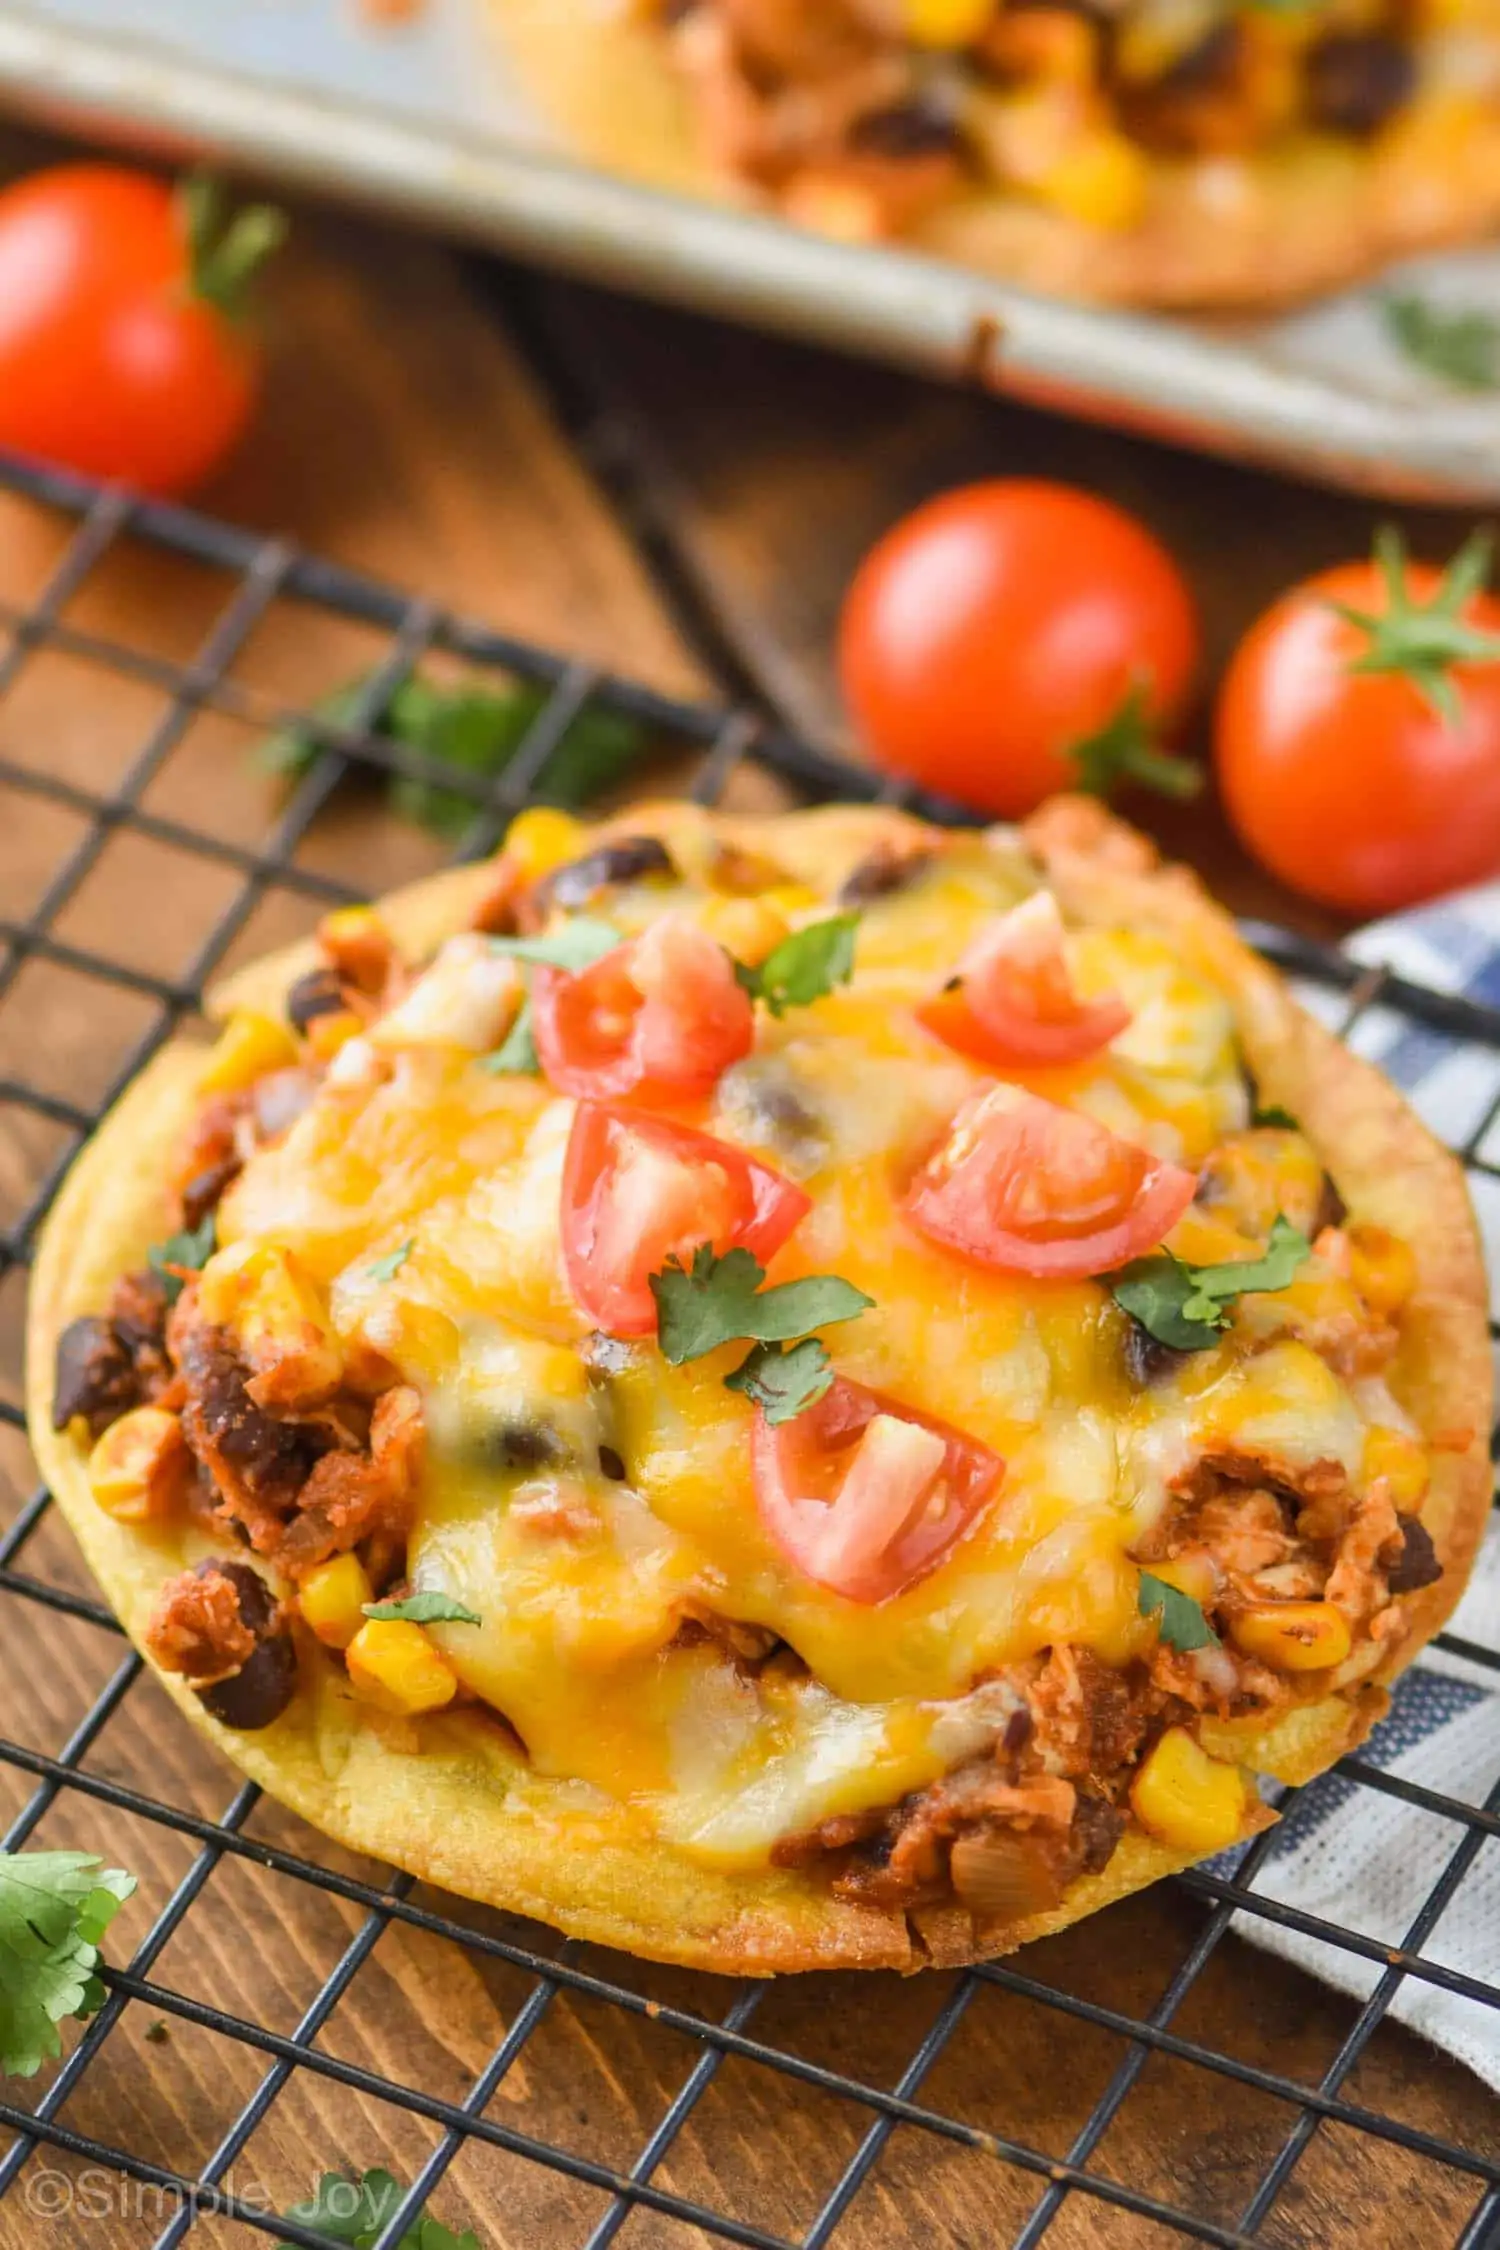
769, 468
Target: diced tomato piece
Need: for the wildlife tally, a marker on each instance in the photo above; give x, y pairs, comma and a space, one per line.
638, 1191
660, 1018
1011, 1000
865, 1495
1029, 1187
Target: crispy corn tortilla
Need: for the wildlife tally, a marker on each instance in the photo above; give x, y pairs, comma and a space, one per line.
450, 1798
1309, 215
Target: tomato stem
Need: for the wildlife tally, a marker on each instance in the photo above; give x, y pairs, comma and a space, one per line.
1424, 640
225, 252
1123, 750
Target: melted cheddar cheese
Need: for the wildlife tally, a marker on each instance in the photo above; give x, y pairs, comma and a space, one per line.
582, 1578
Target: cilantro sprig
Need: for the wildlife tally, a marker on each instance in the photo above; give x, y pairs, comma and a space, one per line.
387, 1268
424, 1609
192, 1249
1458, 343
472, 726
54, 1910
719, 1300
576, 945
805, 966
1187, 1306
1180, 1620
355, 2212
783, 1379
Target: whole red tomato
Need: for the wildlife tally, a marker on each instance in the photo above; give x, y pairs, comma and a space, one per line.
1000, 628
122, 353
1358, 732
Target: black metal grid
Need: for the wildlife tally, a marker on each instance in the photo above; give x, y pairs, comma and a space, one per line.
261, 573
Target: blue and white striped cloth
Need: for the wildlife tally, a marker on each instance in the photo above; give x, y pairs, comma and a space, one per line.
1351, 1854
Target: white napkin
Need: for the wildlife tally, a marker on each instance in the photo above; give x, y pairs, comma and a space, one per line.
1345, 1851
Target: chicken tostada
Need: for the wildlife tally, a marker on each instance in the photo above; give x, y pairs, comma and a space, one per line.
1167, 152
776, 1393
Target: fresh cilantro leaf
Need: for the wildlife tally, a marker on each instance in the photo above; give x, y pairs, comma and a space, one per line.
1186, 1306
1180, 1620
574, 945
804, 966
54, 1909
516, 1055
425, 1609
387, 1268
355, 2213
192, 1248
1274, 1114
1458, 343
473, 727
480, 729
293, 750
720, 1300
782, 1379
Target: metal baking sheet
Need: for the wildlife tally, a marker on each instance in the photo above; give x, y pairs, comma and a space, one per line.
423, 117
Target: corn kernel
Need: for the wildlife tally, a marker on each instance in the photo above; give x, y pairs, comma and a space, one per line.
1401, 1461
260, 1292
358, 944
138, 1468
845, 210
1192, 1573
1381, 1268
332, 1599
749, 928
540, 839
326, 1034
946, 23
394, 1665
1254, 1175
1293, 1636
249, 1045
1189, 1799
1102, 182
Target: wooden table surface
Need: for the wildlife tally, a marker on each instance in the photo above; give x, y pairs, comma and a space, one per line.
684, 502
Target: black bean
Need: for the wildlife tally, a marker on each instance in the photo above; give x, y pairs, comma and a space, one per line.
257, 1603
318, 993
139, 1312
1208, 62
204, 1189
1018, 1732
767, 1106
910, 129
1417, 1564
1146, 1357
522, 1445
629, 859
885, 871
260, 1690
95, 1375
1357, 79
612, 1464
1332, 1210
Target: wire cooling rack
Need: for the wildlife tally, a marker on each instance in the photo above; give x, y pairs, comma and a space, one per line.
871, 2094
